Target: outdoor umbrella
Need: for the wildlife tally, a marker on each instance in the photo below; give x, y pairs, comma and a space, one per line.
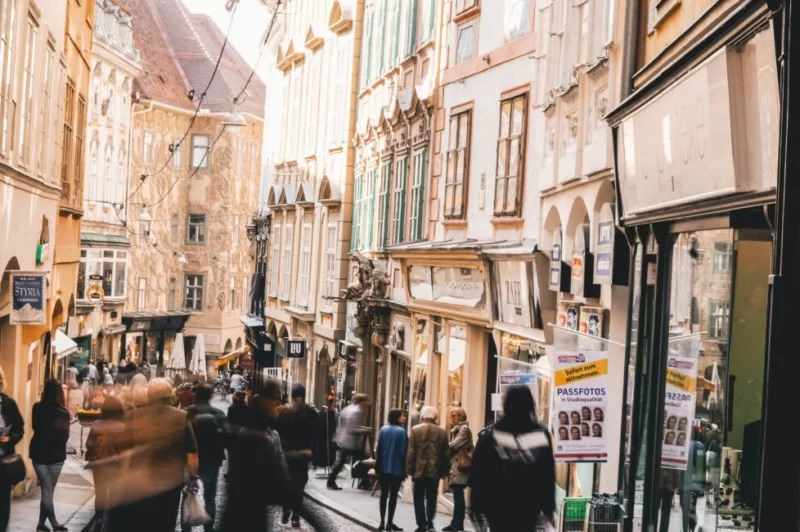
197, 365
178, 359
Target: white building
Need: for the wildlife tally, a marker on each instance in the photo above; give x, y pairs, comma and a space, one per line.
103, 272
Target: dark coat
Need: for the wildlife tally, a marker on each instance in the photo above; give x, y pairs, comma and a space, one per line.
427, 451
50, 433
296, 426
211, 431
12, 417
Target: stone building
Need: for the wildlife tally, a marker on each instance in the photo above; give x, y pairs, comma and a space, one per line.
195, 186
103, 272
312, 178
43, 65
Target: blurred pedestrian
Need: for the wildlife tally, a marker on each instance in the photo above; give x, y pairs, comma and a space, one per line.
427, 464
238, 412
391, 465
162, 450
48, 448
296, 426
460, 449
72, 376
185, 396
103, 454
258, 477
210, 430
11, 432
349, 436
513, 471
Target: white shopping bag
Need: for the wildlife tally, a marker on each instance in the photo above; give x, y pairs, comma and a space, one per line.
193, 507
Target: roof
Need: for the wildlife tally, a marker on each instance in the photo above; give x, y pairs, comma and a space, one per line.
162, 79
180, 50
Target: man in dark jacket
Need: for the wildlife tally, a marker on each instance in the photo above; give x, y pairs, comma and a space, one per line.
513, 469
296, 426
428, 462
210, 430
11, 422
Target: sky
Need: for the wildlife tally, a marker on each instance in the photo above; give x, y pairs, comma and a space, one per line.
249, 27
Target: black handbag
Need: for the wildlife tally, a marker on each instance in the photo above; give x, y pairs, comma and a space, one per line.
12, 469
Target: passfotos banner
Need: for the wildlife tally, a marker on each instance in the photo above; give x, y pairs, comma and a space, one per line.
580, 402
679, 402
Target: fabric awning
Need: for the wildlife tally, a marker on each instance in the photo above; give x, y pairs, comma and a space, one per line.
63, 345
224, 359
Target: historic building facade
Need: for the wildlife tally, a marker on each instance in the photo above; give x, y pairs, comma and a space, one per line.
312, 185
103, 271
195, 185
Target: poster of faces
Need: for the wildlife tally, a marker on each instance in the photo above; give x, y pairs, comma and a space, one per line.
580, 406
679, 402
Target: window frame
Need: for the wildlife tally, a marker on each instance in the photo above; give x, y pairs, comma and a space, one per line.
723, 311
331, 241
400, 199
141, 294
205, 160
26, 100
92, 256
304, 271
473, 24
416, 217
286, 263
274, 261
451, 182
723, 255
177, 153
172, 293
202, 236
460, 7
384, 203
507, 140
510, 36
195, 299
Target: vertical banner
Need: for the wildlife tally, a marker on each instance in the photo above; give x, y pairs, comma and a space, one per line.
28, 298
679, 401
580, 405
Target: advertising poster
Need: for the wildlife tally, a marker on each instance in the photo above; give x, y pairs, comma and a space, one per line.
580, 405
517, 379
679, 404
29, 299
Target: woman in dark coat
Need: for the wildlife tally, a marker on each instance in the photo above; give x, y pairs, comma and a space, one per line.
11, 432
48, 448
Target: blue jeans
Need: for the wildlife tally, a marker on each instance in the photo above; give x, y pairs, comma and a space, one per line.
48, 478
209, 479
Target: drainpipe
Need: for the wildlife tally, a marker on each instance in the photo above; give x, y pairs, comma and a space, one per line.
629, 48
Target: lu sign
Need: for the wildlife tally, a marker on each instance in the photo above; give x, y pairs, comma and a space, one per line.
296, 348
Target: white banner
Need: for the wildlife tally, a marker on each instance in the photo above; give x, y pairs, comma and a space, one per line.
580, 405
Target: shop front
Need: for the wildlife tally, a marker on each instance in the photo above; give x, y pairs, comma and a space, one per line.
695, 197
151, 336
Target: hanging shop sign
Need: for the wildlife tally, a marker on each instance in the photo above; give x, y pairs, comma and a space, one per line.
94, 289
28, 298
604, 258
447, 285
514, 292
295, 349
580, 405
679, 401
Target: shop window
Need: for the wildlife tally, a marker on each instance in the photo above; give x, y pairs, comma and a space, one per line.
722, 257
456, 357
195, 285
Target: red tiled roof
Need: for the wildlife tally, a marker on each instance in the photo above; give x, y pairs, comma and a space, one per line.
162, 79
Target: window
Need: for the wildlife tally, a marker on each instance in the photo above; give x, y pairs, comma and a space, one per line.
457, 165
464, 5
235, 231
45, 109
196, 229
518, 18
330, 261
79, 155
286, 262
194, 292
411, 26
415, 220
719, 313
174, 223
335, 129
69, 109
200, 151
232, 295
147, 152
26, 96
465, 50
141, 295
722, 257
110, 265
384, 188
368, 209
510, 155
399, 200
8, 25
358, 185
273, 261
584, 33
305, 265
172, 294
428, 18
176, 153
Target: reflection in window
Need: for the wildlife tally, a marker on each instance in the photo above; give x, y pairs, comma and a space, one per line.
456, 355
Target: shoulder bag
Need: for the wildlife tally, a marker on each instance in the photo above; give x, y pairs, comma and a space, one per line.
12, 469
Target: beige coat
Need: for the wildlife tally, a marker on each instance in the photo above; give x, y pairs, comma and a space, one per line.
460, 441
427, 451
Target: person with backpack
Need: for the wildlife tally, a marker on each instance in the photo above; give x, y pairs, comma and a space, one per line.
211, 428
103, 448
512, 477
461, 448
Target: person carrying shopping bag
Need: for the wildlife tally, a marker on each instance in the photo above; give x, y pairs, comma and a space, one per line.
460, 451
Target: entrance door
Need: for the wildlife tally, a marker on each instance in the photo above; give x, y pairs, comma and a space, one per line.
712, 386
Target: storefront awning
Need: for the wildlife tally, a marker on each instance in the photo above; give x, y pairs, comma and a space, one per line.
233, 355
63, 345
114, 329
